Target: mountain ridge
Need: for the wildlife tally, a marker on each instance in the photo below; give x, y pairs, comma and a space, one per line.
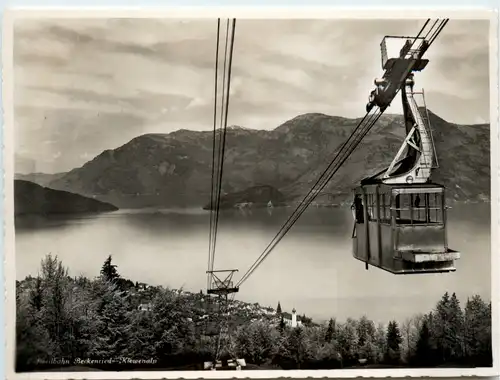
31, 198
174, 169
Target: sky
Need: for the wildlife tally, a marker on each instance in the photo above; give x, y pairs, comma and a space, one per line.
82, 86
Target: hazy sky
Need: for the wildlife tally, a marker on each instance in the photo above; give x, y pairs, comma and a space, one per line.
83, 86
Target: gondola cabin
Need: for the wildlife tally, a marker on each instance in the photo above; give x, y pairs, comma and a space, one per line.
402, 228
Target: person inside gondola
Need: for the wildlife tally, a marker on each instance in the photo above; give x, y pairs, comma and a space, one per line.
417, 201
357, 206
417, 206
398, 206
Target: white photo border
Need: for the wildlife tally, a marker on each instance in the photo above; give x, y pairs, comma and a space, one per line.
257, 13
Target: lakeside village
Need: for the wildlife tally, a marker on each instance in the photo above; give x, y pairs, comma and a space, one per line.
63, 321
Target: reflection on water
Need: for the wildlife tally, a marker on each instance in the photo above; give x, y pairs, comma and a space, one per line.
312, 269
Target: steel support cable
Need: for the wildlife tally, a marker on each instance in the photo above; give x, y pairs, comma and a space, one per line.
286, 228
219, 148
433, 32
440, 28
342, 155
226, 92
212, 191
215, 165
294, 218
430, 30
438, 22
218, 174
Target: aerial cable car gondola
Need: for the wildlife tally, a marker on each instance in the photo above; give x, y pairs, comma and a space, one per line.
400, 214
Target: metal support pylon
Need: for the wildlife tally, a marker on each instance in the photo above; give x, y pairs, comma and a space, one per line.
220, 288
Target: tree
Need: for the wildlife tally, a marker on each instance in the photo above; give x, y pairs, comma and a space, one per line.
381, 342
297, 346
347, 341
278, 309
282, 324
410, 330
394, 341
306, 321
256, 342
330, 331
448, 328
457, 328
32, 340
54, 285
424, 352
173, 333
366, 346
478, 330
36, 295
109, 271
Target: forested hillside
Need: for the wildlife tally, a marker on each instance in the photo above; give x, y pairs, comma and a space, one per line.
113, 323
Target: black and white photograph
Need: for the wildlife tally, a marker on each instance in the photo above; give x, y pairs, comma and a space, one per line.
224, 195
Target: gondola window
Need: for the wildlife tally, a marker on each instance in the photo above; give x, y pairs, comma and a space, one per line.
418, 208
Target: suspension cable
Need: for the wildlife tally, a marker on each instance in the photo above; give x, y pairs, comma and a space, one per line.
342, 155
219, 138
438, 31
218, 157
212, 191
224, 111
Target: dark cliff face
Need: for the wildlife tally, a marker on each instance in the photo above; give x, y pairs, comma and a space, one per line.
30, 198
162, 170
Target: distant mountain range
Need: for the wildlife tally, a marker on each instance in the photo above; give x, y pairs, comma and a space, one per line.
30, 198
166, 170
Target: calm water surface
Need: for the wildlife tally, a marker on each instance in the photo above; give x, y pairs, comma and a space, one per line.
312, 269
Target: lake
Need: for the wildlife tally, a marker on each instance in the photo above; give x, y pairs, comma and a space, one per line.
312, 269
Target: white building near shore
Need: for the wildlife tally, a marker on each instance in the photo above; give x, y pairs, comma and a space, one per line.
292, 320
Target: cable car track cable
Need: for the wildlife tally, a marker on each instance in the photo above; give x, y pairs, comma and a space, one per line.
219, 148
212, 191
215, 160
323, 179
224, 123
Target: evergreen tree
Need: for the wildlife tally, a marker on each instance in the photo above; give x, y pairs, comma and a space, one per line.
366, 339
330, 331
32, 340
54, 285
347, 341
457, 341
173, 334
113, 337
394, 341
478, 329
36, 296
297, 347
366, 331
278, 309
282, 325
448, 328
109, 271
256, 342
380, 343
424, 351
